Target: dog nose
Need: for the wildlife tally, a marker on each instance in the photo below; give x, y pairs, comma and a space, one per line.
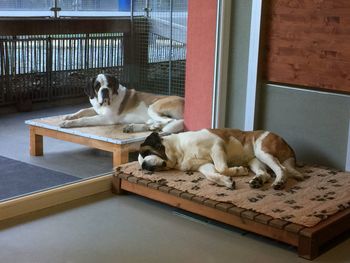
105, 93
146, 166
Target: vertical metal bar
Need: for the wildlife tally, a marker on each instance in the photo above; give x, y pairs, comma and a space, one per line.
87, 51
101, 57
170, 48
49, 52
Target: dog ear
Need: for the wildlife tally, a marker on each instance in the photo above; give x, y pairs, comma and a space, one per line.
153, 139
89, 89
113, 83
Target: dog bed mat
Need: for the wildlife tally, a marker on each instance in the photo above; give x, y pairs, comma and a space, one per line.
109, 133
323, 192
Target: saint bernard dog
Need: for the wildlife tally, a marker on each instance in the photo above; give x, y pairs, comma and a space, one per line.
220, 154
113, 103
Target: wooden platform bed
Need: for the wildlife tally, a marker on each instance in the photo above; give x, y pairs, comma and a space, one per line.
109, 138
328, 217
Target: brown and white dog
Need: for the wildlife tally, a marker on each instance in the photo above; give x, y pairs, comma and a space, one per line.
220, 154
113, 103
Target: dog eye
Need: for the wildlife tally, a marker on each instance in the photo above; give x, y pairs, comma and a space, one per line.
145, 153
159, 146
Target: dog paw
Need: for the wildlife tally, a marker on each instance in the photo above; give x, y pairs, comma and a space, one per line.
69, 117
128, 128
65, 124
229, 183
278, 185
256, 182
155, 126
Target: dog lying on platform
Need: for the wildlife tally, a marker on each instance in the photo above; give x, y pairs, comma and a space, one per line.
112, 103
220, 154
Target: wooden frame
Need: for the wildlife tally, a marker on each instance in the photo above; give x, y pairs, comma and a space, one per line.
308, 240
51, 197
120, 151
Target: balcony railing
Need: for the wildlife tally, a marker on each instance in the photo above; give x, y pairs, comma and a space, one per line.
39, 55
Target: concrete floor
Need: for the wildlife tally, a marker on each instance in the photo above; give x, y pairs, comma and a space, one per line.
60, 156
107, 228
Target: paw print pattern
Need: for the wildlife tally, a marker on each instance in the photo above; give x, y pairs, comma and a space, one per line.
333, 172
322, 198
332, 181
180, 180
290, 202
337, 185
319, 214
162, 182
277, 210
279, 194
296, 207
294, 189
196, 187
341, 207
253, 200
189, 172
217, 185
197, 180
257, 198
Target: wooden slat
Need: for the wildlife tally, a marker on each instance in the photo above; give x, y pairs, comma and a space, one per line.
106, 146
223, 206
51, 197
213, 213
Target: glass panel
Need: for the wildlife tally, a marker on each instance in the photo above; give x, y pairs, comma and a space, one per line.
95, 7
89, 5
25, 8
25, 5
50, 72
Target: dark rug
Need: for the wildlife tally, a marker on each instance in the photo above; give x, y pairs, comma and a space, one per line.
18, 178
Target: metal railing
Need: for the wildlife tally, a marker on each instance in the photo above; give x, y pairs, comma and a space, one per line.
146, 51
39, 67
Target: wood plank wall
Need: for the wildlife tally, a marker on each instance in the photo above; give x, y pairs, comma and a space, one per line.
308, 43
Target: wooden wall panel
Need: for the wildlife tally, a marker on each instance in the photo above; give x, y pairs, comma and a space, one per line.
308, 43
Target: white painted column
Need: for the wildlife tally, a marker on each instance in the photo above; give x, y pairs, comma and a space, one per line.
253, 61
221, 63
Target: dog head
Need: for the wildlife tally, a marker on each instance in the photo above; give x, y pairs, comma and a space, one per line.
152, 154
102, 88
